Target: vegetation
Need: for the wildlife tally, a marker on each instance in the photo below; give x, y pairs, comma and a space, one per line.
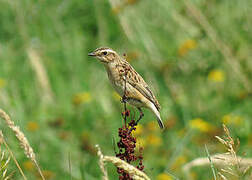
196, 56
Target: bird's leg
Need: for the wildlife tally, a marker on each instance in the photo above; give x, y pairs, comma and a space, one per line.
126, 112
140, 117
124, 99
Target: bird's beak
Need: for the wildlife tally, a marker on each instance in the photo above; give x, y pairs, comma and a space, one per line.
91, 54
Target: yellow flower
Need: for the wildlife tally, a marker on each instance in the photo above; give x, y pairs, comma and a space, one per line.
80, 98
138, 131
226, 119
216, 76
85, 135
250, 139
152, 126
116, 96
131, 2
201, 125
243, 95
140, 142
28, 165
232, 120
164, 176
2, 82
48, 174
154, 140
32, 126
181, 160
187, 46
116, 10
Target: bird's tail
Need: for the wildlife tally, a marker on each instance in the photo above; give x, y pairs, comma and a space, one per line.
157, 113
160, 122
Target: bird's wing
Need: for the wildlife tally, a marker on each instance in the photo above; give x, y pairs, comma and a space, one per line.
135, 80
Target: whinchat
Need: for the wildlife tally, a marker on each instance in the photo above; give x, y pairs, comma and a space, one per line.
127, 82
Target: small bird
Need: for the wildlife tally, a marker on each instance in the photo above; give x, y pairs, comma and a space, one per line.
127, 82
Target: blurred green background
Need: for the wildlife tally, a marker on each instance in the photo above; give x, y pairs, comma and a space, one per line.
196, 57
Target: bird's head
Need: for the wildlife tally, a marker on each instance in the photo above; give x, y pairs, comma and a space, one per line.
105, 55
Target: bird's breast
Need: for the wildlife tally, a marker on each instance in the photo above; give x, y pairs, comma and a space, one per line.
116, 80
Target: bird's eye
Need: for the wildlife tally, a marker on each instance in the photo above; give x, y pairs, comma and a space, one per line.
104, 53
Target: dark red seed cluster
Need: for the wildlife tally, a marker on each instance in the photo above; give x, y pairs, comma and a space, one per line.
126, 146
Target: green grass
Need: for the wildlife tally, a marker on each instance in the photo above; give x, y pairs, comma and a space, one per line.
151, 33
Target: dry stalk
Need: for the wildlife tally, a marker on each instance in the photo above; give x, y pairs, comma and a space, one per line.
235, 166
12, 155
229, 143
222, 176
41, 74
4, 163
134, 172
35, 59
22, 140
101, 163
228, 163
218, 160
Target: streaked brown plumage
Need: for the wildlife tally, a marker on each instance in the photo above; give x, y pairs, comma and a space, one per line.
137, 92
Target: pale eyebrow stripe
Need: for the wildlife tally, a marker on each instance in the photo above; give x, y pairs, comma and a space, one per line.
109, 50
